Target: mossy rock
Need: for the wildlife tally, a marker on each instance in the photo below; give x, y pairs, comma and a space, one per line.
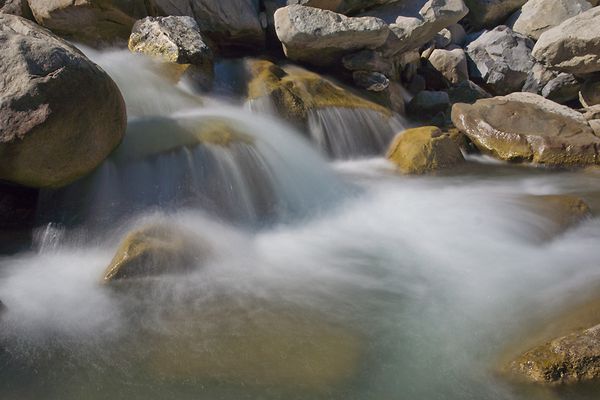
424, 150
156, 249
295, 91
568, 359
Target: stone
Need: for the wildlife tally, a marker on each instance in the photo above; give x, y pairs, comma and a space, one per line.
372, 81
91, 22
442, 39
595, 125
424, 150
489, 13
561, 212
60, 114
537, 16
18, 206
452, 64
569, 359
501, 60
322, 37
156, 249
16, 7
427, 104
527, 127
589, 95
233, 25
466, 92
573, 46
346, 7
562, 89
368, 60
458, 34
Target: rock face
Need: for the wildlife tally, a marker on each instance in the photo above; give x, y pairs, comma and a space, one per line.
537, 16
573, 46
155, 249
452, 64
527, 127
52, 130
92, 22
487, 13
501, 60
321, 37
569, 359
16, 7
590, 93
422, 150
233, 24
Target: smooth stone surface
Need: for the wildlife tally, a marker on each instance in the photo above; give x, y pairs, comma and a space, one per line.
60, 114
427, 104
488, 13
346, 7
322, 37
528, 127
562, 89
466, 92
563, 211
424, 150
573, 46
452, 64
501, 60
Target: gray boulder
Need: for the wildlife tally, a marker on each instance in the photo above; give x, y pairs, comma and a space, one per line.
368, 60
537, 16
60, 114
501, 60
573, 46
561, 89
428, 104
16, 7
488, 13
452, 64
340, 6
322, 37
590, 92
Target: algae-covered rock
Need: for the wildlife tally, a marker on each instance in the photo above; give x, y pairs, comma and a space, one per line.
424, 149
528, 127
568, 359
294, 91
156, 249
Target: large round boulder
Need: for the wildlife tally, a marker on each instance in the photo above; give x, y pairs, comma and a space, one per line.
528, 127
60, 114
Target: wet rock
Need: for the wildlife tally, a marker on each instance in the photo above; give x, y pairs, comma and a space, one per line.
175, 40
561, 210
466, 92
322, 37
368, 60
488, 13
528, 127
569, 359
589, 94
92, 22
423, 150
16, 7
233, 25
501, 60
537, 16
372, 81
452, 64
53, 131
156, 249
428, 104
573, 46
294, 92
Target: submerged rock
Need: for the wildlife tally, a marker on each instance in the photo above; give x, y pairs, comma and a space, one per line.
156, 249
425, 149
60, 114
322, 37
562, 210
568, 359
527, 127
573, 46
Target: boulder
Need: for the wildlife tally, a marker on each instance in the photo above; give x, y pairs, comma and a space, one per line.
457, 34
156, 249
589, 95
175, 40
562, 211
452, 64
501, 60
423, 150
466, 92
537, 16
427, 104
18, 206
16, 7
60, 114
418, 22
442, 39
233, 25
528, 127
368, 60
489, 13
372, 81
573, 46
562, 89
92, 22
569, 359
346, 7
322, 37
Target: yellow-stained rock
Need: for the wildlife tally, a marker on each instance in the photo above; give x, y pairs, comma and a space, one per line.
563, 210
425, 149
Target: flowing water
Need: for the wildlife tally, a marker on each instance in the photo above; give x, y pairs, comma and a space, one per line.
324, 280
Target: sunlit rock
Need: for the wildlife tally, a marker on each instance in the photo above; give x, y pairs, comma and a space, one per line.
451, 63
422, 150
156, 249
568, 359
60, 114
527, 127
